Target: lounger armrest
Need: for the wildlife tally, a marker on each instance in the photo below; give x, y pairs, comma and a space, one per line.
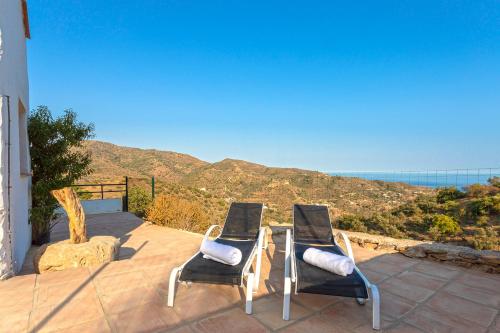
347, 243
209, 231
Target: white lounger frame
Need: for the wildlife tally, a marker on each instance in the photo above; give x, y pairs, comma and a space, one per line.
251, 277
291, 277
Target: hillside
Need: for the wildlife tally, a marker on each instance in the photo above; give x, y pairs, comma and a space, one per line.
215, 184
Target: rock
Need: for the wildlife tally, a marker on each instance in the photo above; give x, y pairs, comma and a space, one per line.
415, 252
63, 255
488, 261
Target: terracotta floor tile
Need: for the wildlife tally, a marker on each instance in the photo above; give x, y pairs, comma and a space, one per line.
14, 322
394, 306
16, 301
18, 282
482, 296
437, 269
52, 293
120, 282
149, 317
57, 317
235, 320
348, 315
368, 327
75, 274
415, 294
406, 290
98, 325
374, 277
422, 280
314, 324
403, 328
314, 301
382, 267
488, 282
430, 320
269, 311
446, 303
198, 301
183, 329
112, 268
396, 259
121, 301
495, 326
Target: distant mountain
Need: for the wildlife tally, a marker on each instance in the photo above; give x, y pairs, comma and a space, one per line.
214, 185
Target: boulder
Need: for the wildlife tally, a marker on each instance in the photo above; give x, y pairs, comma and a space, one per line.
62, 255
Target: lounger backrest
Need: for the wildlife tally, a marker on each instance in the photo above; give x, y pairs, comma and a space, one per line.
243, 221
311, 224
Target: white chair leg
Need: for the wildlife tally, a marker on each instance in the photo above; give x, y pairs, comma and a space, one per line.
259, 259
375, 306
171, 286
286, 299
248, 305
288, 283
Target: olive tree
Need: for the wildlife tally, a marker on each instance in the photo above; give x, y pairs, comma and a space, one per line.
57, 160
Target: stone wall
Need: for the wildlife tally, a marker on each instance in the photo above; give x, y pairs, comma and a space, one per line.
488, 261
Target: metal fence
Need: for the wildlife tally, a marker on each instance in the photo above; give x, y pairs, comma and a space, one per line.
97, 191
459, 178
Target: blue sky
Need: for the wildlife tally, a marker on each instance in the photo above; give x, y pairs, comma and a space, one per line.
333, 85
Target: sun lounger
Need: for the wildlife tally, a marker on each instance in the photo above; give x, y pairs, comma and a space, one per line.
242, 229
312, 228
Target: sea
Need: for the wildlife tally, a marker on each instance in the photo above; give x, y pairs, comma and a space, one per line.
435, 179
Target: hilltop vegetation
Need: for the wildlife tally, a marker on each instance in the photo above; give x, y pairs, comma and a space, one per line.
213, 185
192, 194
448, 215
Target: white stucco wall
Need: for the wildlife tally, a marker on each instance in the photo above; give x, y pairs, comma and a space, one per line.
14, 84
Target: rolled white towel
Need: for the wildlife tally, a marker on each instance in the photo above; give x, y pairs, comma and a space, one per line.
328, 261
224, 254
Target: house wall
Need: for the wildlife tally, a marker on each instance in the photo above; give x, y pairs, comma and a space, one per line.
15, 233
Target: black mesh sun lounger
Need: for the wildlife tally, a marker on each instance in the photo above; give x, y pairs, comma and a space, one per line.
242, 230
312, 228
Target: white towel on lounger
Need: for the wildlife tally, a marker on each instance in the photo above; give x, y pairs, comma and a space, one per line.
328, 261
224, 254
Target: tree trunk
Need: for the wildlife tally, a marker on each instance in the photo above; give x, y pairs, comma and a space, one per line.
68, 199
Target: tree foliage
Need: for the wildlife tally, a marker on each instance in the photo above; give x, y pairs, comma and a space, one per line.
57, 160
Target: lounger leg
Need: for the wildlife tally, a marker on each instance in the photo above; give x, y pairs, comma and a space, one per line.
259, 259
248, 306
286, 299
375, 306
171, 286
288, 283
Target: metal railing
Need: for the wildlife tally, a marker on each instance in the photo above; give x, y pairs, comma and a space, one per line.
459, 178
102, 189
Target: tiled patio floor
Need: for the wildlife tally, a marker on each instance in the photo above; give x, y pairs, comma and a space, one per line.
129, 295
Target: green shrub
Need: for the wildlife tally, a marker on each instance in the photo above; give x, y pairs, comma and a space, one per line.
427, 204
485, 239
451, 207
174, 212
138, 201
478, 190
480, 206
386, 224
352, 223
443, 225
482, 221
494, 181
449, 193
408, 209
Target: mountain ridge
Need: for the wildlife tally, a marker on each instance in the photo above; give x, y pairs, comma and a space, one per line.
214, 185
